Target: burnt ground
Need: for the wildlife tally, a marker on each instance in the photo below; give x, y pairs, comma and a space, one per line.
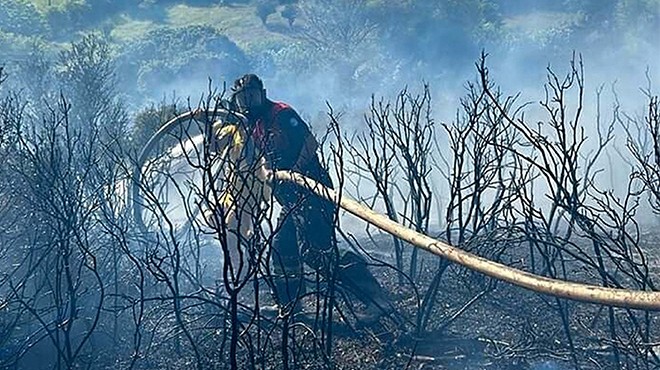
506, 328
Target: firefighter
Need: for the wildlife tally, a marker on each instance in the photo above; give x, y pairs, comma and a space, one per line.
305, 229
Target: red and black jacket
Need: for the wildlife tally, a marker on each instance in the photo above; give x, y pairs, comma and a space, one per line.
284, 137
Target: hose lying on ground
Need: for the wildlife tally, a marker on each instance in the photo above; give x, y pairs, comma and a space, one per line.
647, 300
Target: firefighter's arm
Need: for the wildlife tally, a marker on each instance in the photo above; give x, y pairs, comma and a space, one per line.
223, 136
307, 151
226, 139
301, 141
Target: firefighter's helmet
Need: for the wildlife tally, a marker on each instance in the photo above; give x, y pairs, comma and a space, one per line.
248, 94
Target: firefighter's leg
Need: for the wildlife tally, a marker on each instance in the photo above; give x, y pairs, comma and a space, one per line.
355, 276
288, 283
314, 219
233, 237
315, 222
352, 272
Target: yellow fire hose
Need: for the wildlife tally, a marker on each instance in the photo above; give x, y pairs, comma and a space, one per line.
646, 300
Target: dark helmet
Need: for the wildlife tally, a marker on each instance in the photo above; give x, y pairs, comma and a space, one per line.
248, 94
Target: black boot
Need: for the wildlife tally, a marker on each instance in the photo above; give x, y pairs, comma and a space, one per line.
355, 276
287, 291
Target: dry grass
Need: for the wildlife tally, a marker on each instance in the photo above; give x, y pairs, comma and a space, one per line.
128, 29
44, 4
239, 23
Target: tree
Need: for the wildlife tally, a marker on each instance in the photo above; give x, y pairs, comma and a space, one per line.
148, 120
61, 177
22, 17
629, 23
289, 12
339, 36
57, 178
446, 33
67, 18
264, 8
340, 28
87, 74
176, 58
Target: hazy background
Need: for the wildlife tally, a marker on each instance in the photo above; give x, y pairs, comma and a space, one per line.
338, 51
311, 53
124, 67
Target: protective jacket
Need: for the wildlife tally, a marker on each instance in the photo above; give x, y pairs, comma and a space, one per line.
284, 137
288, 144
306, 229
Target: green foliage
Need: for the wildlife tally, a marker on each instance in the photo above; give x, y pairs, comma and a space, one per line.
618, 15
264, 8
448, 33
479, 18
595, 10
616, 24
338, 27
148, 120
335, 34
201, 2
542, 31
296, 57
170, 56
638, 16
87, 68
104, 9
338, 36
87, 74
13, 47
21, 17
67, 18
289, 12
26, 60
36, 74
128, 29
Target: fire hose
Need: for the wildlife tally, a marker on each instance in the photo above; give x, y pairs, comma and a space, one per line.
638, 299
163, 131
647, 300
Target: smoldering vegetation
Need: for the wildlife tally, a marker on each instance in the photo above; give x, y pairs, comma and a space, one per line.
539, 153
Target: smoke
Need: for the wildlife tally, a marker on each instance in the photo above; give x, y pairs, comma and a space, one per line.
547, 365
619, 59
